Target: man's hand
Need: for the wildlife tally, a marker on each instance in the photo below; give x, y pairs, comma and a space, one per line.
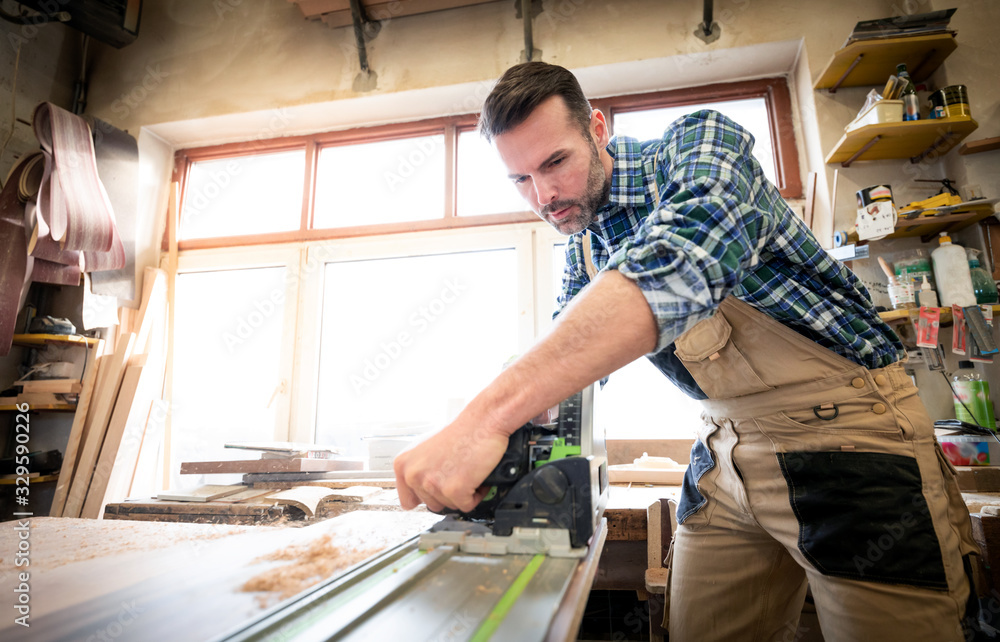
606, 326
446, 470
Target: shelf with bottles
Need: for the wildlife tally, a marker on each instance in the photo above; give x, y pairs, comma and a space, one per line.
915, 139
869, 62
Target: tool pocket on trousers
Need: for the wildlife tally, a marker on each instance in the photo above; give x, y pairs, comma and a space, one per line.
863, 516
714, 361
691, 499
866, 413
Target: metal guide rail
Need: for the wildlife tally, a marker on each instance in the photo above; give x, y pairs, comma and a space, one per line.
438, 594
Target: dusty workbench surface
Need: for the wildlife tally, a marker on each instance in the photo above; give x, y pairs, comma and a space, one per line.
196, 581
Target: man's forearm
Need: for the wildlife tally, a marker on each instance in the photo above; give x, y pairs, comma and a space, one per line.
608, 325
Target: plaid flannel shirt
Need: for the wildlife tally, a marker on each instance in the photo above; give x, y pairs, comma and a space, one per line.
691, 219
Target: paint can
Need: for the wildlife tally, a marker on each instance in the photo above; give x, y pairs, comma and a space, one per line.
954, 99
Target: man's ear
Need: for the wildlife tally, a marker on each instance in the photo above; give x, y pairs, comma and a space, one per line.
599, 129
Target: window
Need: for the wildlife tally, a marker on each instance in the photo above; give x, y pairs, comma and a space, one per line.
357, 288
243, 195
389, 181
750, 113
406, 342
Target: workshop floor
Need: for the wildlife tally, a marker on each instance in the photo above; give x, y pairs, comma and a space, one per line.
614, 615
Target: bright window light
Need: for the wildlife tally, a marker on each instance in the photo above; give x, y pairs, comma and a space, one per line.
241, 195
483, 186
638, 401
407, 342
749, 113
391, 181
227, 344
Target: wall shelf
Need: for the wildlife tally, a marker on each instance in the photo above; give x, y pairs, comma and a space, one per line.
902, 315
977, 146
928, 223
914, 140
871, 62
42, 340
55, 407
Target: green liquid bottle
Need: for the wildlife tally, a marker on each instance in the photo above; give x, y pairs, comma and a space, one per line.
972, 397
982, 283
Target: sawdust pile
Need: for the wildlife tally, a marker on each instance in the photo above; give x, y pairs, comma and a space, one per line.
309, 565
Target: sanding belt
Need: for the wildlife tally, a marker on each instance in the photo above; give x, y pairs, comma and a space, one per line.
56, 220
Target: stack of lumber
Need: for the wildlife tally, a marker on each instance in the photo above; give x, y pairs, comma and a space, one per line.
112, 425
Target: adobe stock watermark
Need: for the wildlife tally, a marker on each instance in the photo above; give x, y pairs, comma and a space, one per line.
263, 308
198, 199
35, 23
127, 615
418, 322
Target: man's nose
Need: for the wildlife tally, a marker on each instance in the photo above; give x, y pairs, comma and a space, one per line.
545, 191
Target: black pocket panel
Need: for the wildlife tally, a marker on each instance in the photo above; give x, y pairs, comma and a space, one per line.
863, 516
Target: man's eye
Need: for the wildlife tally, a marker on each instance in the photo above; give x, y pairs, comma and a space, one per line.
520, 180
557, 161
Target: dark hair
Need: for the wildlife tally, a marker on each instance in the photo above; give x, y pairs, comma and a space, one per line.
525, 86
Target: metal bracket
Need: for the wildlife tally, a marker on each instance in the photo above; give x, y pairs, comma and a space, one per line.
708, 31
527, 10
364, 30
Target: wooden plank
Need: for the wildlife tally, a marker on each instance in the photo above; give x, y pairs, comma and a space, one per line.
902, 140
102, 408
880, 57
305, 498
269, 466
626, 451
94, 362
120, 453
63, 386
324, 483
626, 524
354, 494
245, 495
187, 508
810, 207
233, 520
93, 505
982, 145
207, 493
978, 478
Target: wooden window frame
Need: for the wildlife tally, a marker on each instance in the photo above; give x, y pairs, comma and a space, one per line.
774, 91
776, 97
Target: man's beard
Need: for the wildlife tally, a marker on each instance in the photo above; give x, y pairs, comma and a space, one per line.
596, 195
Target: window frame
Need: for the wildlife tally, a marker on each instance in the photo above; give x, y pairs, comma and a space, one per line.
774, 91
777, 99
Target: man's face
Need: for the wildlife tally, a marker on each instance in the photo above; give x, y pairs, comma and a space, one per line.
561, 174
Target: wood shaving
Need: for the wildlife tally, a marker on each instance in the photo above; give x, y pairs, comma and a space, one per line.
309, 564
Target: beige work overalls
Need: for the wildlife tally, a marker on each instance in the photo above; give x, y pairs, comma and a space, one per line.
811, 468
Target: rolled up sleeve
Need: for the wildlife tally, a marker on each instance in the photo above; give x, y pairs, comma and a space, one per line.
694, 248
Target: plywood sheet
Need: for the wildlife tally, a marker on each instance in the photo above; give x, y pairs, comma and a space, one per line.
269, 466
207, 493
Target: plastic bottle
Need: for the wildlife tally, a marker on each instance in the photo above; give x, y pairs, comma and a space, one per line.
911, 103
951, 271
974, 393
927, 297
983, 285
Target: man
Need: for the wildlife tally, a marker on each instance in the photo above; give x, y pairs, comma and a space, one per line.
816, 464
